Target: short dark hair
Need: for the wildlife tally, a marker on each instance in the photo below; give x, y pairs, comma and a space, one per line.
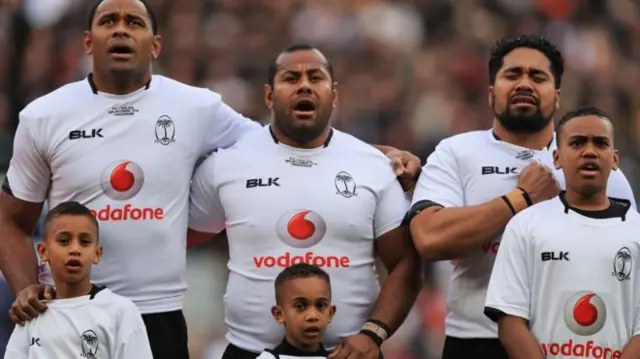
300, 270
503, 47
150, 12
579, 112
273, 66
70, 208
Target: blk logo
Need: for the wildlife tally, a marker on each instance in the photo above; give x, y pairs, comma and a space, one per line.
495, 170
121, 180
585, 313
301, 228
35, 341
263, 182
554, 256
80, 134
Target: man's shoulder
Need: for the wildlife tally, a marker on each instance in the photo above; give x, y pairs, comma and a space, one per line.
60, 100
352, 147
465, 141
183, 93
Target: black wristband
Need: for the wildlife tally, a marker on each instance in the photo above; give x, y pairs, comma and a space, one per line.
506, 200
376, 339
526, 196
381, 324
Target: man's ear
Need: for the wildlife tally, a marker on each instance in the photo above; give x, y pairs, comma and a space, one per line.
87, 43
156, 46
268, 96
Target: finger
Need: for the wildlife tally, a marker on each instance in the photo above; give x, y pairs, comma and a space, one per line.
48, 293
336, 351
412, 167
35, 303
15, 319
398, 166
19, 315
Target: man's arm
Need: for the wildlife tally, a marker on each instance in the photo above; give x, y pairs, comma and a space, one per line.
517, 339
401, 287
441, 226
206, 214
632, 350
23, 193
509, 294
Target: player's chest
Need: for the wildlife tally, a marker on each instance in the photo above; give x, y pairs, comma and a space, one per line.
484, 177
71, 338
607, 256
130, 146
333, 192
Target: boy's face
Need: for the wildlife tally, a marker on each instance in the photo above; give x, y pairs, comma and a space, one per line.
305, 310
70, 247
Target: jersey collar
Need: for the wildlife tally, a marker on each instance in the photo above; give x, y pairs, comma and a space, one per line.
493, 133
617, 209
287, 349
94, 89
326, 143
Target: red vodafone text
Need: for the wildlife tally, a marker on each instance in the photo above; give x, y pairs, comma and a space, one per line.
288, 259
491, 247
128, 213
570, 349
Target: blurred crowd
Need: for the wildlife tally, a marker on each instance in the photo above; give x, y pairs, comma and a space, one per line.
411, 72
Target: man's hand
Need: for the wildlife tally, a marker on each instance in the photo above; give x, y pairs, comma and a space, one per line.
357, 346
539, 182
28, 303
406, 166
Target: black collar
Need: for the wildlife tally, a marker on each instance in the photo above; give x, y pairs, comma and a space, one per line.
94, 89
499, 139
287, 349
95, 290
326, 143
617, 209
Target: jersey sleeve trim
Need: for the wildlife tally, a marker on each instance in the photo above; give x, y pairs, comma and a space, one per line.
419, 207
495, 311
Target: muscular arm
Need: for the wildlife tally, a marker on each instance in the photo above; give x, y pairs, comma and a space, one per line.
403, 283
18, 260
449, 233
632, 350
517, 339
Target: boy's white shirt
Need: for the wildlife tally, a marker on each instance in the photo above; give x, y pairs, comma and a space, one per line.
105, 326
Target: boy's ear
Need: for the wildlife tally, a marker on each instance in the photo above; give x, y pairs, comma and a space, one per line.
98, 255
42, 252
332, 312
276, 311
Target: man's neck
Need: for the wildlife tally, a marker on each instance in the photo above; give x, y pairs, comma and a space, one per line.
120, 84
317, 142
67, 290
534, 141
596, 202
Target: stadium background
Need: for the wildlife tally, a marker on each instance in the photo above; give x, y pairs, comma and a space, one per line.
410, 73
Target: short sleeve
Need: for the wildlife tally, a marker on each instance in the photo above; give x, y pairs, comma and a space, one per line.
509, 289
29, 176
205, 208
18, 346
266, 355
439, 181
132, 340
618, 187
391, 209
227, 126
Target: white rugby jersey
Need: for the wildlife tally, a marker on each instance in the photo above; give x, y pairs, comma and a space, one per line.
288, 351
101, 325
283, 205
471, 169
574, 277
129, 159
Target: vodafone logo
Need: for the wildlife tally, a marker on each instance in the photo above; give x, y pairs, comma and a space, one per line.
585, 313
301, 228
122, 180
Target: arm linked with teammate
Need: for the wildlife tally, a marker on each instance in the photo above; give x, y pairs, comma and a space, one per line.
23, 193
517, 339
443, 233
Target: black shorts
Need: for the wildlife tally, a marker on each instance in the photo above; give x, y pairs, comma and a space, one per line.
167, 335
459, 348
233, 352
